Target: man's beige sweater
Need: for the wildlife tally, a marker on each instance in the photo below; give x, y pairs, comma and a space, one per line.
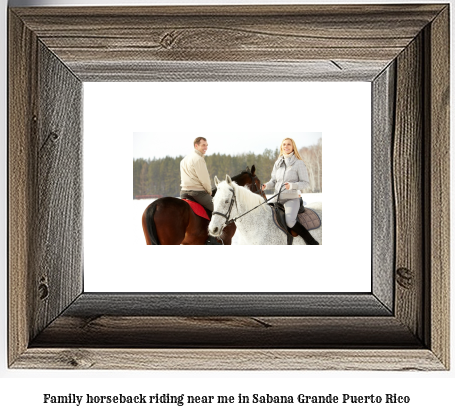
194, 173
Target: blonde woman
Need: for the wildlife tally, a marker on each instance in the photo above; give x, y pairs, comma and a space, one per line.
290, 170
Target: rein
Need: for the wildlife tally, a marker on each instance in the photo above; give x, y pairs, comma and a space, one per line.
258, 189
229, 221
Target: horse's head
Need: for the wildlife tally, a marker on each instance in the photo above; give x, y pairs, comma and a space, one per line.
248, 178
218, 181
231, 200
223, 203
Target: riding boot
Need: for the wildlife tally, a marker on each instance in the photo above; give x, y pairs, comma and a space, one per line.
304, 233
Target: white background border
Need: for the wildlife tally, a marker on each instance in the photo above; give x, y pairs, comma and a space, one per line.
115, 255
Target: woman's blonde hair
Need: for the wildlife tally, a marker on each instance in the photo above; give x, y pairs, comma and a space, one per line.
294, 148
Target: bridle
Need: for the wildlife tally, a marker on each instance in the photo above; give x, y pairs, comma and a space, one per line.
258, 191
253, 177
227, 215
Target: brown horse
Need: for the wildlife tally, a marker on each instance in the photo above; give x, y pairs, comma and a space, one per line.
171, 221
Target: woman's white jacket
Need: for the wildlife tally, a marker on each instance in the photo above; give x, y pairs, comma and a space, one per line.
289, 170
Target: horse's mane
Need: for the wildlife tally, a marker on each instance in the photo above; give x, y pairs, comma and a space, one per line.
247, 198
234, 178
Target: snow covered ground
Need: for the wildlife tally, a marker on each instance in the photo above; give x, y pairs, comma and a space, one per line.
140, 205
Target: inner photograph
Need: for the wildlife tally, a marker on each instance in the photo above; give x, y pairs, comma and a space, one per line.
284, 208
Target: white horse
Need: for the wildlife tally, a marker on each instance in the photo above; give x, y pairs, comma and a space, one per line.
255, 227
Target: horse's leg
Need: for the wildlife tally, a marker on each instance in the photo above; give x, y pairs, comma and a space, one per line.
171, 225
228, 233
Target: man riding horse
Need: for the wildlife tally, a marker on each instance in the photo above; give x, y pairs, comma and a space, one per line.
195, 179
174, 221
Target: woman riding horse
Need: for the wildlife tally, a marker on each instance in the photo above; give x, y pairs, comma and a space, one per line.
290, 171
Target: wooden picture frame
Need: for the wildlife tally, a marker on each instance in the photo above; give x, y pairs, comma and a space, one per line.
402, 324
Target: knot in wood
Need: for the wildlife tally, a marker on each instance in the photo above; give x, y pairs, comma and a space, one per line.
76, 359
53, 136
168, 40
43, 291
405, 278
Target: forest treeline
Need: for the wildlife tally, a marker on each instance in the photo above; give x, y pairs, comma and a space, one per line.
162, 176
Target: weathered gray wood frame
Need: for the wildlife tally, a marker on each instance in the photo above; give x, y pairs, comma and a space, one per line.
403, 324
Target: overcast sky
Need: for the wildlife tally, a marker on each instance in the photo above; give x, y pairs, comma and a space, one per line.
149, 144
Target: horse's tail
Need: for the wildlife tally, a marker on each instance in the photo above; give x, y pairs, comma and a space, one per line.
148, 225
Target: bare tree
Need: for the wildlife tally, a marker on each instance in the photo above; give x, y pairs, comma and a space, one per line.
312, 157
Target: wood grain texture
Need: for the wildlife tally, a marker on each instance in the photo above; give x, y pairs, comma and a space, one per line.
89, 305
53, 49
438, 171
45, 187
382, 202
273, 34
234, 359
309, 71
21, 179
408, 187
58, 200
256, 332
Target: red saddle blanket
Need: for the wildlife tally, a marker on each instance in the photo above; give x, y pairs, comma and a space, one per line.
197, 209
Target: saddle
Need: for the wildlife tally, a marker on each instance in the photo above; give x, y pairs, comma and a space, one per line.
198, 209
306, 216
203, 212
